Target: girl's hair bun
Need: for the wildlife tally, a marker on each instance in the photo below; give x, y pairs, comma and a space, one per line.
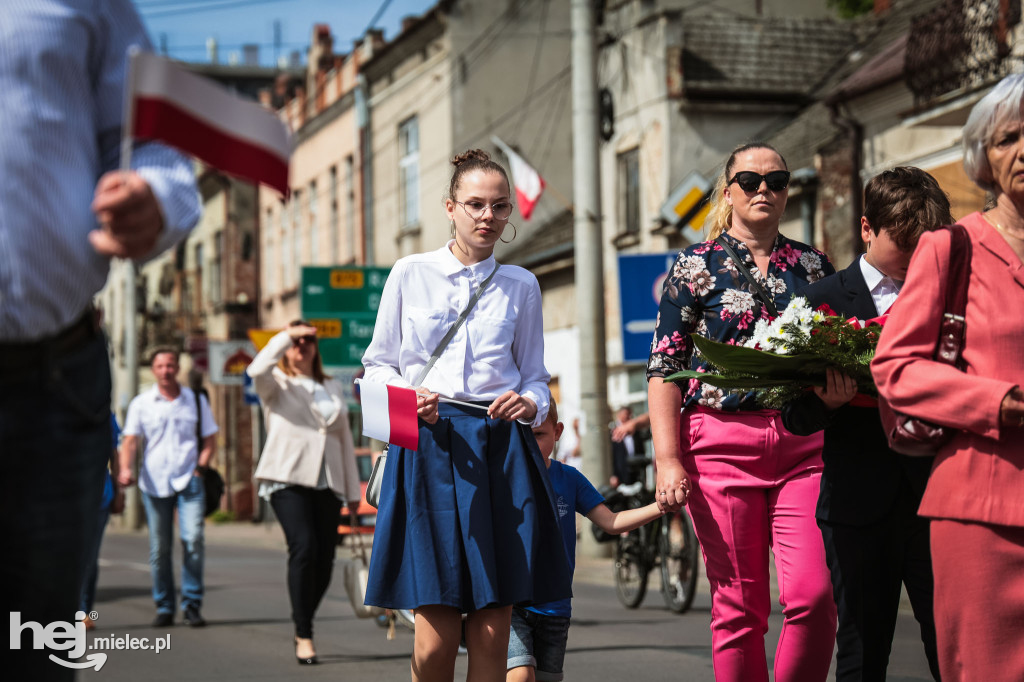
477, 155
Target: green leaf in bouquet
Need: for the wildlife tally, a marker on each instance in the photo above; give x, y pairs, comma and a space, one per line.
761, 364
729, 382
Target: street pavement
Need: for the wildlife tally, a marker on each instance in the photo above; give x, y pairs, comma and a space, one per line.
249, 632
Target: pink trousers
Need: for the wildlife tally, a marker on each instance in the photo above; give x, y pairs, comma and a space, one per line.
754, 487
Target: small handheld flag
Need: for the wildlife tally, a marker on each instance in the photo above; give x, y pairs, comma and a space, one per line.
389, 414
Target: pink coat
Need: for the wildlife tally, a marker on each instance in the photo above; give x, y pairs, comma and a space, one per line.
979, 476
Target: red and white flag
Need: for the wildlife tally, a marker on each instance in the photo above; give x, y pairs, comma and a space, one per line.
389, 414
199, 117
529, 184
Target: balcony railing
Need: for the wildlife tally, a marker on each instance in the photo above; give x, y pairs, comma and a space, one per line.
959, 46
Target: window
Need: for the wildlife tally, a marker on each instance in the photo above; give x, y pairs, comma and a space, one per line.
350, 205
629, 192
332, 226
268, 254
409, 172
281, 262
200, 282
314, 238
215, 267
296, 235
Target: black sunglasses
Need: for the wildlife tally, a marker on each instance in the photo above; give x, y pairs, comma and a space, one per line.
749, 181
306, 339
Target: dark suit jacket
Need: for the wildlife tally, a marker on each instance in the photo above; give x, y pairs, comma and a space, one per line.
862, 476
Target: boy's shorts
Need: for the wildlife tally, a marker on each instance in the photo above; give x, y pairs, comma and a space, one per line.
539, 641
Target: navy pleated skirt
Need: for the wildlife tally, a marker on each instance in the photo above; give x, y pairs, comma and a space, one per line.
468, 520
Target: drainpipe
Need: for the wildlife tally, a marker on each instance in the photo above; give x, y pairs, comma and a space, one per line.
855, 133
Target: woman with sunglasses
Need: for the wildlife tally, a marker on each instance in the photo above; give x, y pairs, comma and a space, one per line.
748, 483
467, 522
308, 466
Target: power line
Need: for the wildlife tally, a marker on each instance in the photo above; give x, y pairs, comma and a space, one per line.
377, 15
204, 7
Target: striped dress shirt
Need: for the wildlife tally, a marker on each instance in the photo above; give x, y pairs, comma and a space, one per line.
62, 73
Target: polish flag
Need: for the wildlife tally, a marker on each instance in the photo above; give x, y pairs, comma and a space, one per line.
529, 184
167, 103
389, 414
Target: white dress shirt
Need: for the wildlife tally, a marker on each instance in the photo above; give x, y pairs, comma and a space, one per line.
499, 348
169, 427
62, 72
884, 289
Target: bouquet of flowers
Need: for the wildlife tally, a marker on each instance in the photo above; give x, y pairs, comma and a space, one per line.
789, 354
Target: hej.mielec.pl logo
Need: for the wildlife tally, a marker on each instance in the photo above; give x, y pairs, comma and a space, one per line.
70, 637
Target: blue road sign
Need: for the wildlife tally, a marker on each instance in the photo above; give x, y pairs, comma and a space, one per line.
641, 277
249, 390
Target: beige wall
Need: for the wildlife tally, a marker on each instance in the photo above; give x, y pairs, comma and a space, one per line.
287, 247
418, 86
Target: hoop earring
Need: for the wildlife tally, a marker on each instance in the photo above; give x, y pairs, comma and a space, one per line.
515, 233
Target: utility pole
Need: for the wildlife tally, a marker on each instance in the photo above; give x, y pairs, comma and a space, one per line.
589, 263
133, 499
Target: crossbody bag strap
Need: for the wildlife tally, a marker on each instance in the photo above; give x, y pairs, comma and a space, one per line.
950, 345
199, 422
769, 304
455, 327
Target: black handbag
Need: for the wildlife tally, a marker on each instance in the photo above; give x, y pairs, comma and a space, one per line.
911, 435
213, 482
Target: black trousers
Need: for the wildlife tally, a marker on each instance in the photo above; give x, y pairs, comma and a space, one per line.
310, 521
868, 565
55, 442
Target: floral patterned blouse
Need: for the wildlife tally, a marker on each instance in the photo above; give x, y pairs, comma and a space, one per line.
706, 293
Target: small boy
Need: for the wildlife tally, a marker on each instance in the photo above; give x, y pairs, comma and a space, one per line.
536, 645
867, 508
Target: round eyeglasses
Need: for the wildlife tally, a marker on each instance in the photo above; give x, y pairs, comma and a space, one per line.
476, 209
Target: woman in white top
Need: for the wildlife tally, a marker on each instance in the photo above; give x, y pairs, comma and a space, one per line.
466, 523
308, 466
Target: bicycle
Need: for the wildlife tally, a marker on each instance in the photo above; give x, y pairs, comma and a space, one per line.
667, 543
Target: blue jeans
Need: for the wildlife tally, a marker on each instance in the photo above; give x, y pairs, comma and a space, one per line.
191, 503
54, 445
538, 640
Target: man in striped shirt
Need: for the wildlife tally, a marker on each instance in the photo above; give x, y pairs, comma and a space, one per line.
65, 210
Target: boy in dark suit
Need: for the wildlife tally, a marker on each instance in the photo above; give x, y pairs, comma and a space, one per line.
867, 509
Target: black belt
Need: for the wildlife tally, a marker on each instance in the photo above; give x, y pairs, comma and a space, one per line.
25, 354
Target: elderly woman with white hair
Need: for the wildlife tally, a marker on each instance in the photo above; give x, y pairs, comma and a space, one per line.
975, 495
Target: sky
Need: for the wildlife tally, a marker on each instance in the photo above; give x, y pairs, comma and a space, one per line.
186, 25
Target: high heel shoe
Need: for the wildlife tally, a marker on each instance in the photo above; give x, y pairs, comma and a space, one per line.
310, 660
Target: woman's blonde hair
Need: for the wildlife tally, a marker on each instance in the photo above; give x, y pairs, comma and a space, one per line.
720, 216
318, 366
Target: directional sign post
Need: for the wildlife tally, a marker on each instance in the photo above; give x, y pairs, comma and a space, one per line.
342, 302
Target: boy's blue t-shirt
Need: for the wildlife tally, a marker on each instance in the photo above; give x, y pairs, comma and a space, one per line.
573, 493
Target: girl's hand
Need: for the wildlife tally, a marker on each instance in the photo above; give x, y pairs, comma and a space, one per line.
426, 405
300, 330
510, 406
673, 486
838, 390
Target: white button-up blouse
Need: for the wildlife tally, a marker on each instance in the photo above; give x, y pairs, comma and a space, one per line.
499, 348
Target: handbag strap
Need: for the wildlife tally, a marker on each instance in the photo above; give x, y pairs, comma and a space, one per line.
754, 284
950, 345
455, 327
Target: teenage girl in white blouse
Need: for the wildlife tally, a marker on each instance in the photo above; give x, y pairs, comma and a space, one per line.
466, 523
